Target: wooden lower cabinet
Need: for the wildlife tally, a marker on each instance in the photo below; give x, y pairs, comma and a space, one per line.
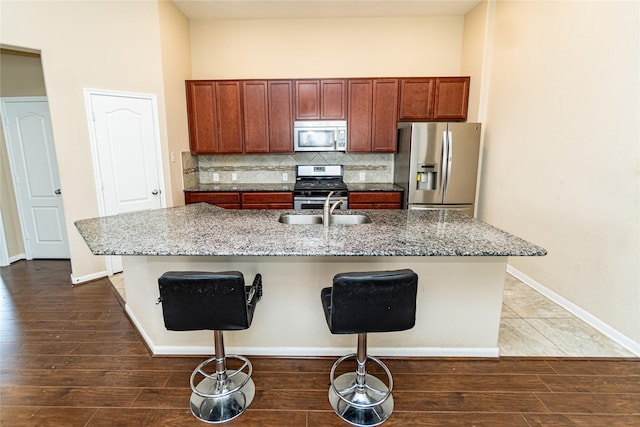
223, 199
375, 199
267, 200
242, 200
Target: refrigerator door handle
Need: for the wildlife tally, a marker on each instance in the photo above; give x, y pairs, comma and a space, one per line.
449, 160
444, 168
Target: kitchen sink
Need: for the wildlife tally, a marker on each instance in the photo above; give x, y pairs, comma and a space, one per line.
306, 219
300, 219
349, 219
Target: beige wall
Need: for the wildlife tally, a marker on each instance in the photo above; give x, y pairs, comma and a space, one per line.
475, 55
99, 44
562, 151
326, 48
20, 75
176, 68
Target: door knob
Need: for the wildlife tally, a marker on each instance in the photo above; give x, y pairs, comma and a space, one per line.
154, 192
58, 191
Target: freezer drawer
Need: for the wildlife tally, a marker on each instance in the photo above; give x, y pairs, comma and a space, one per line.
465, 209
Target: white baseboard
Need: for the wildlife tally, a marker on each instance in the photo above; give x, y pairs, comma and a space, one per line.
88, 277
17, 258
321, 351
579, 312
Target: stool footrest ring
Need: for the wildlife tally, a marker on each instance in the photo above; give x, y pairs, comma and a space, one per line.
224, 392
221, 396
385, 394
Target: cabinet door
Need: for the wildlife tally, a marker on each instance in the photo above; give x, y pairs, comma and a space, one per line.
360, 94
416, 99
451, 98
280, 116
229, 113
320, 99
332, 99
307, 99
201, 117
385, 115
255, 116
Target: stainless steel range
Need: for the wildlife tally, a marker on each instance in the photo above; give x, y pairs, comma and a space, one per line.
314, 183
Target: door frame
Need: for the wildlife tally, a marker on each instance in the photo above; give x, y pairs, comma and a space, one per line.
93, 140
4, 252
12, 167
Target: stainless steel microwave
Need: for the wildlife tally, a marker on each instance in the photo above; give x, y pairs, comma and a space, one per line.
320, 135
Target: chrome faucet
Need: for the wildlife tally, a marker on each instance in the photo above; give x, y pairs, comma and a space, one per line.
327, 210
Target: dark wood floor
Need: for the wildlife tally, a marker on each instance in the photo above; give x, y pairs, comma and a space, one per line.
70, 357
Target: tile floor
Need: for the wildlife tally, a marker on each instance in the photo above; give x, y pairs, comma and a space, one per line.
532, 325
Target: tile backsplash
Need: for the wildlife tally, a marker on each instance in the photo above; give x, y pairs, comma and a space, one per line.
269, 168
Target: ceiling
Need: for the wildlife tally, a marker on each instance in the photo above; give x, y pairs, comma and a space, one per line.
301, 9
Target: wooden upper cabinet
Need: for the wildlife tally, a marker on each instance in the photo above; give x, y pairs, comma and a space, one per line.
434, 99
280, 116
215, 117
268, 117
373, 113
229, 113
360, 94
333, 99
201, 106
256, 116
416, 99
451, 98
307, 99
385, 115
320, 99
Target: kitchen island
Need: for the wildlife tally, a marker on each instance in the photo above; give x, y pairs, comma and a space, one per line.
461, 263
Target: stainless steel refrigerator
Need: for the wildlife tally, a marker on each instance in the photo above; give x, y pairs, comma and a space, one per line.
437, 165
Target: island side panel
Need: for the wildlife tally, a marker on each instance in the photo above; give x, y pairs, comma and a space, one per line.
459, 305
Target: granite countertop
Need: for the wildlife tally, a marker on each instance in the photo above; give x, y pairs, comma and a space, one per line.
203, 229
286, 186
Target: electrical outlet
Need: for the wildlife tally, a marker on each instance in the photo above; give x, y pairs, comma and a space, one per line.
361, 176
234, 176
216, 177
285, 176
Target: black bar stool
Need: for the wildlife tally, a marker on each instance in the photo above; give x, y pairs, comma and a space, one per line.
219, 302
358, 303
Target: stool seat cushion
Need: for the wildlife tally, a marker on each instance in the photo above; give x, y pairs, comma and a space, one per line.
378, 301
193, 300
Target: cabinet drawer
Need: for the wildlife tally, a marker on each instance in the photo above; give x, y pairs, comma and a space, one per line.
267, 197
280, 206
215, 198
375, 197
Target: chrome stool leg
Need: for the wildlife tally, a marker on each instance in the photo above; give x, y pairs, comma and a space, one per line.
360, 398
224, 395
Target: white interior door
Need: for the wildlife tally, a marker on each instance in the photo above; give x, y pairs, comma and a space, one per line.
126, 154
29, 139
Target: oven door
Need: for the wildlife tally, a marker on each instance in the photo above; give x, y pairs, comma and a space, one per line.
305, 203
